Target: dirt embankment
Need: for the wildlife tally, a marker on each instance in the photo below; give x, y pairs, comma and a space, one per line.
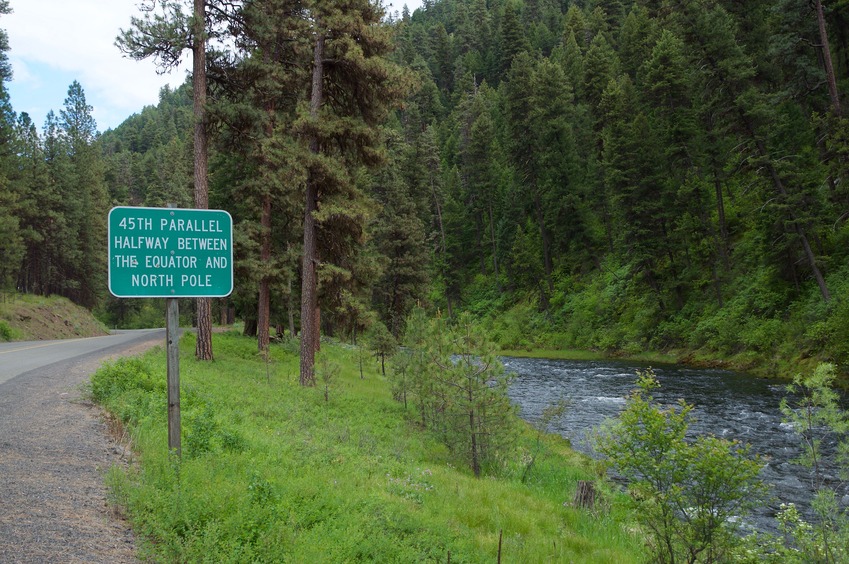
36, 318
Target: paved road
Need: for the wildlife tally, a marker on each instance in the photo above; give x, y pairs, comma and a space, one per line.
23, 356
54, 450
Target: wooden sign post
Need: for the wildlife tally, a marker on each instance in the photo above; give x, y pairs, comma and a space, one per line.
172, 339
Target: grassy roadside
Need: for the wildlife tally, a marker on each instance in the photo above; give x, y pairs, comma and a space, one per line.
272, 472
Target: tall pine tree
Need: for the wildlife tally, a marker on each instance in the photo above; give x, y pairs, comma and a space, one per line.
352, 89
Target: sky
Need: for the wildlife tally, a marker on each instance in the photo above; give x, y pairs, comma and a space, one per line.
54, 42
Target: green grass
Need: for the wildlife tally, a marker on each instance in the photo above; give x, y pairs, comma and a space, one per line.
271, 472
7, 333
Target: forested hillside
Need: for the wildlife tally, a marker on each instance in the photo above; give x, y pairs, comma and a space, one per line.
614, 175
645, 174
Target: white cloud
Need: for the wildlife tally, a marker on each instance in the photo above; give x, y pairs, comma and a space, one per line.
21, 72
77, 37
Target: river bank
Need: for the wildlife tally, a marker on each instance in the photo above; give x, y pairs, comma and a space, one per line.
746, 362
776, 347
573, 354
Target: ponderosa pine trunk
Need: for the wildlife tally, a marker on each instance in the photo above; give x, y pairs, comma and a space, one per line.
263, 316
203, 348
309, 284
264, 305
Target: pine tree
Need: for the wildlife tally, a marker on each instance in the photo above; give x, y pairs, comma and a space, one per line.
636, 38
572, 61
666, 80
534, 128
634, 183
203, 307
601, 64
38, 208
164, 36
560, 178
12, 248
399, 237
352, 89
576, 24
432, 186
87, 189
480, 186
60, 248
442, 63
459, 388
5, 66
513, 40
256, 109
713, 36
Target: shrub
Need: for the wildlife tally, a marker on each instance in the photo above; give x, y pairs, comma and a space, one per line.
685, 493
824, 429
459, 386
380, 341
115, 378
5, 331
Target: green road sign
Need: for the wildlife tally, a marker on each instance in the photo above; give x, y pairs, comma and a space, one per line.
170, 253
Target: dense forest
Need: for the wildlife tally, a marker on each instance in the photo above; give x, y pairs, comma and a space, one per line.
600, 174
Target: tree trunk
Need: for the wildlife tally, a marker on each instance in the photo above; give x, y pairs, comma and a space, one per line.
443, 247
546, 245
203, 348
800, 231
494, 247
290, 305
317, 334
585, 495
723, 223
309, 285
309, 291
438, 217
264, 305
224, 311
826, 58
476, 468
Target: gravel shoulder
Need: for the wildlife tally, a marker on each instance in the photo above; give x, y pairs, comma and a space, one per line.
55, 448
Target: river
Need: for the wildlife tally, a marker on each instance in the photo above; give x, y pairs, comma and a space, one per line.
727, 404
